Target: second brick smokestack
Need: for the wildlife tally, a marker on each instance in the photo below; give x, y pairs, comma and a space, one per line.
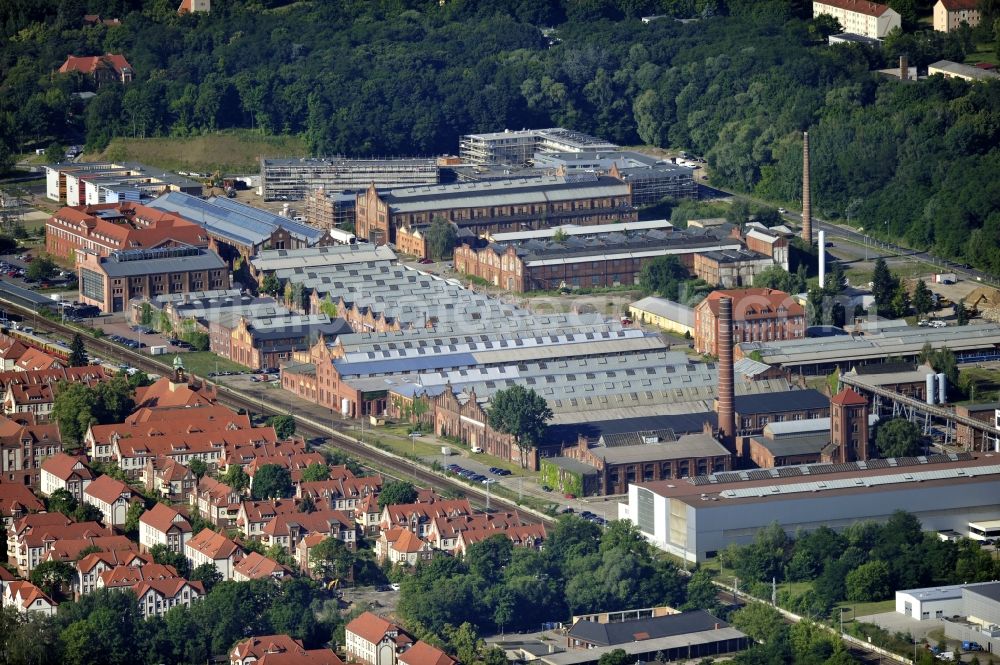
807, 226
727, 419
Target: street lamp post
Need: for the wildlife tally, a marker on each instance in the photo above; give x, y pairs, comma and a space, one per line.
413, 441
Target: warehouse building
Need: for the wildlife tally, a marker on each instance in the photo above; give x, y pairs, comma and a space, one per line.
664, 314
880, 341
293, 179
697, 517
492, 206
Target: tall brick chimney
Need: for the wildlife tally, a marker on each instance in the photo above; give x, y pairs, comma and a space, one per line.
807, 225
904, 68
727, 419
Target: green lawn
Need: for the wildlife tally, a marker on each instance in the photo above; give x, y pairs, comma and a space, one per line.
983, 53
985, 381
202, 363
854, 610
231, 151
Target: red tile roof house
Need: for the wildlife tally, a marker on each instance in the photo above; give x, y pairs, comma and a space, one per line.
33, 391
399, 545
529, 535
295, 463
122, 577
166, 392
279, 650
168, 478
70, 549
162, 525
216, 502
23, 446
211, 547
90, 567
418, 517
100, 439
286, 530
423, 653
157, 596
111, 497
253, 516
108, 68
368, 516
256, 566
25, 597
444, 531
32, 537
372, 640
243, 454
342, 492
33, 360
64, 472
16, 501
10, 350
132, 453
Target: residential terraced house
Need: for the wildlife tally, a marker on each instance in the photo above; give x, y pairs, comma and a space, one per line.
287, 529
372, 640
26, 598
400, 545
256, 566
216, 502
419, 517
33, 391
279, 650
16, 501
90, 567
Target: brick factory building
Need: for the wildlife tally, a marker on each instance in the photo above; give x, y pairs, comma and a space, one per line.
110, 282
610, 260
108, 227
758, 315
498, 205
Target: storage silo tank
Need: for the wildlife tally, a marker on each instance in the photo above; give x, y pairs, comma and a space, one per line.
931, 392
942, 385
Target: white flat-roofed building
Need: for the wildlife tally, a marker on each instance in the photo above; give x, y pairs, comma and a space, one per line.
519, 147
984, 530
698, 517
959, 70
932, 602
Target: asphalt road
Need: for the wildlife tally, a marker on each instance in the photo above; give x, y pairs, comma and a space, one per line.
849, 233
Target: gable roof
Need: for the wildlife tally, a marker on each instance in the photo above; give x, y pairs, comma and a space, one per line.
751, 304
213, 545
256, 566
860, 6
167, 587
62, 466
162, 518
120, 576
258, 646
36, 359
165, 392
107, 489
960, 5
370, 627
88, 64
16, 498
112, 559
422, 653
25, 594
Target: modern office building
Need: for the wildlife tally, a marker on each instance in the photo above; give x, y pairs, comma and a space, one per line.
519, 147
293, 179
91, 183
110, 282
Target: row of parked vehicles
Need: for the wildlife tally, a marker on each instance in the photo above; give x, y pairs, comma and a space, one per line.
475, 476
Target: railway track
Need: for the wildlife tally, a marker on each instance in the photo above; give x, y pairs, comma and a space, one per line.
383, 462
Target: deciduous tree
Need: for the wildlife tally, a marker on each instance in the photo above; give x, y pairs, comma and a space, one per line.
272, 482
899, 438
396, 492
522, 413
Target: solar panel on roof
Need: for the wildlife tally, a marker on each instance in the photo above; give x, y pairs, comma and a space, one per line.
821, 469
759, 474
878, 464
789, 471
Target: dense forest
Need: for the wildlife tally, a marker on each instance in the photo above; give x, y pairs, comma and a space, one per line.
403, 77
